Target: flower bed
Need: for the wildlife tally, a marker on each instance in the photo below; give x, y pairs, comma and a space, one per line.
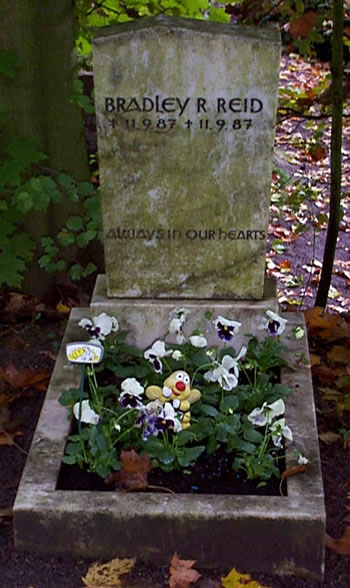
178, 405
214, 529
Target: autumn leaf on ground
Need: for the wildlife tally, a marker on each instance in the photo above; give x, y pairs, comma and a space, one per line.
314, 359
15, 307
108, 574
339, 354
181, 573
133, 473
236, 580
330, 327
329, 437
63, 308
342, 545
7, 437
326, 375
22, 379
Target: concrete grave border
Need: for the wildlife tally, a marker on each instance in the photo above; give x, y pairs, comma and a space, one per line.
262, 534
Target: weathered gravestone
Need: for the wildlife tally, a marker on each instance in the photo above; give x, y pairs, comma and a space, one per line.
186, 114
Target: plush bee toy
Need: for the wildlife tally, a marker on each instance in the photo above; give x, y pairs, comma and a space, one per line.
177, 390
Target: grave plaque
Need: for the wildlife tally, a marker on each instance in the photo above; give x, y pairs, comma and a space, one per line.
186, 114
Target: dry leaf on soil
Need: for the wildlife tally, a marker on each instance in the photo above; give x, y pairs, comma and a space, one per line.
342, 545
181, 573
22, 379
339, 354
329, 437
133, 473
330, 327
108, 575
236, 580
7, 437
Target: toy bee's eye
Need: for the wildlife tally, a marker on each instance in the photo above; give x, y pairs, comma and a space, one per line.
186, 379
180, 376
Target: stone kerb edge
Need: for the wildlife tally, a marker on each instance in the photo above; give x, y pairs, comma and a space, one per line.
152, 526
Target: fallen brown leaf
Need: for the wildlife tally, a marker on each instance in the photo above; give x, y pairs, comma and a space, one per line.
329, 437
342, 545
181, 574
327, 326
339, 354
25, 378
7, 437
133, 473
326, 375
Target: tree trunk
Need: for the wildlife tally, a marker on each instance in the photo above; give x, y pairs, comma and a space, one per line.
41, 34
336, 144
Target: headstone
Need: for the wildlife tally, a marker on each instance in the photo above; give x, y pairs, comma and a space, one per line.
185, 115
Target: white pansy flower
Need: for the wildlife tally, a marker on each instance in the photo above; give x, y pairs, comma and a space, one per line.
279, 429
274, 324
181, 313
131, 393
266, 413
88, 415
168, 416
226, 372
155, 353
257, 416
100, 326
132, 386
226, 328
198, 341
177, 318
177, 355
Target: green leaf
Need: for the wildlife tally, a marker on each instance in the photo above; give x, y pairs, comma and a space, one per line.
188, 455
74, 223
66, 181
210, 410
84, 238
231, 402
250, 434
75, 272
69, 459
65, 237
24, 202
22, 245
219, 15
102, 470
85, 188
11, 268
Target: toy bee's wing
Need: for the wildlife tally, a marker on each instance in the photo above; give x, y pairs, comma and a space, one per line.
153, 392
194, 396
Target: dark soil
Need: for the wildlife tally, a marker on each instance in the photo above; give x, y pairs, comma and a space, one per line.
211, 474
34, 347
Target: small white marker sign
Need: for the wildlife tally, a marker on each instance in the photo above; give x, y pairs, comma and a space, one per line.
82, 352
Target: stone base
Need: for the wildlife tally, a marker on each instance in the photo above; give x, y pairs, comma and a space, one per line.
147, 320
254, 533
